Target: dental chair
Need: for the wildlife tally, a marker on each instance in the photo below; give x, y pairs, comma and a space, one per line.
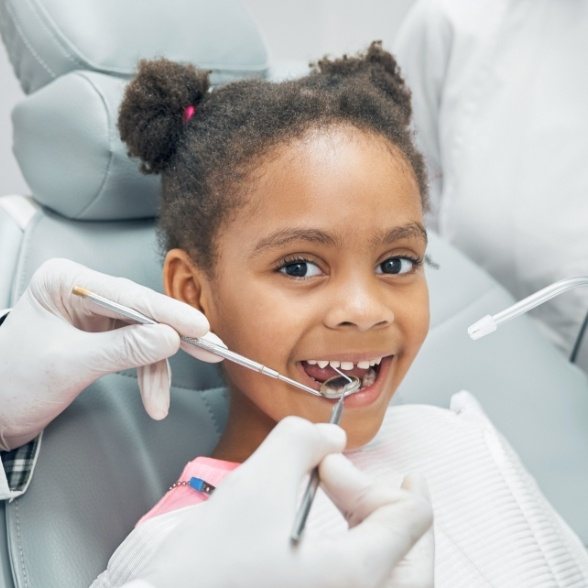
103, 463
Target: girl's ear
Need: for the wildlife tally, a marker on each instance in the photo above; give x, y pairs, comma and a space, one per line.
184, 280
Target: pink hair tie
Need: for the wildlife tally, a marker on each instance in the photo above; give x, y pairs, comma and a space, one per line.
189, 112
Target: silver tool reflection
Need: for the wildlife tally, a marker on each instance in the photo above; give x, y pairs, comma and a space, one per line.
219, 350
346, 385
489, 323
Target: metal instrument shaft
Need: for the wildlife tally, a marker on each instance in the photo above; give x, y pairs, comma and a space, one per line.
139, 317
313, 482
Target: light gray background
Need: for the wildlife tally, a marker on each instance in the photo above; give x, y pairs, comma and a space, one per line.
294, 30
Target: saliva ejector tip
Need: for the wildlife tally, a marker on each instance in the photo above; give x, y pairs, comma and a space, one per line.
483, 327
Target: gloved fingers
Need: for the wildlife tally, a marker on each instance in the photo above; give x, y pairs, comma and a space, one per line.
201, 354
416, 483
145, 347
388, 523
55, 279
361, 500
185, 319
351, 490
417, 568
394, 527
154, 385
290, 451
128, 347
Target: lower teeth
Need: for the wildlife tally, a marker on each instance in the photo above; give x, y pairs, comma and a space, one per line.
369, 378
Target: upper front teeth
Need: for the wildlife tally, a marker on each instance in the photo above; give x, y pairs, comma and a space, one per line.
345, 365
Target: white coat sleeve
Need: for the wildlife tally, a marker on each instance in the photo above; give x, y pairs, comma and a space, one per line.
423, 49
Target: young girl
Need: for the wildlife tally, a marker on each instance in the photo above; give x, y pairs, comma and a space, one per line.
304, 201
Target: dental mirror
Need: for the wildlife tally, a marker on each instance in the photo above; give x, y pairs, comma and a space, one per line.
340, 386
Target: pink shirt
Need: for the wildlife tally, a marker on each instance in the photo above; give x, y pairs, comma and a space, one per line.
208, 469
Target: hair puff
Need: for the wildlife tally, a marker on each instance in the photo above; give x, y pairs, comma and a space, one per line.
378, 67
151, 117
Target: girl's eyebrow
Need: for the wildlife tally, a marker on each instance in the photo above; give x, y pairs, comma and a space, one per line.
284, 236
408, 231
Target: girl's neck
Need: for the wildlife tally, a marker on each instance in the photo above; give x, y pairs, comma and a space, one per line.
246, 428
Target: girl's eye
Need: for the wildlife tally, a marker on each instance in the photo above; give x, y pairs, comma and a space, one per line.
398, 265
300, 268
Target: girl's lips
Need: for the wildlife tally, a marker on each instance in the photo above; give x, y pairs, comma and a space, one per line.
366, 395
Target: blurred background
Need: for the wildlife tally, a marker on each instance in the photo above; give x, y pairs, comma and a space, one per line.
294, 31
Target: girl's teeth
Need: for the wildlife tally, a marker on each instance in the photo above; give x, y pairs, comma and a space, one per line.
345, 365
368, 379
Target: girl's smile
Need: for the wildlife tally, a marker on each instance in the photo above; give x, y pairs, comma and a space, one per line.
321, 266
371, 374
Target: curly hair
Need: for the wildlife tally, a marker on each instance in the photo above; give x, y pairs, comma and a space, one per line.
205, 161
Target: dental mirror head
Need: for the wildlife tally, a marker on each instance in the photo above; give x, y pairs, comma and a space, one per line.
338, 386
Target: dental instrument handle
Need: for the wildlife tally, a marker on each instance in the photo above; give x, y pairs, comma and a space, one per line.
247, 363
489, 323
138, 317
539, 297
313, 483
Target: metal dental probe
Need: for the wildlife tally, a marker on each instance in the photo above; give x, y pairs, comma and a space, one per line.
313, 482
214, 348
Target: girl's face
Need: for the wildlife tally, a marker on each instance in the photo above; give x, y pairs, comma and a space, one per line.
322, 266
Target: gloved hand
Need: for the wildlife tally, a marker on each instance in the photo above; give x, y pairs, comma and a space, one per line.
240, 536
54, 344
416, 569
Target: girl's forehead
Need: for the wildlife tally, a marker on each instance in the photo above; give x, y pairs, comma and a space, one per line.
335, 170
343, 191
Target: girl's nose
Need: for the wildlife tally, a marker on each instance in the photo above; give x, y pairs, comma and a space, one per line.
359, 306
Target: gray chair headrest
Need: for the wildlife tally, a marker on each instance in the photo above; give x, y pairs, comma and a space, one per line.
74, 60
46, 39
66, 141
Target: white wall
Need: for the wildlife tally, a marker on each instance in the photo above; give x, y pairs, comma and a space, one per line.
294, 30
309, 29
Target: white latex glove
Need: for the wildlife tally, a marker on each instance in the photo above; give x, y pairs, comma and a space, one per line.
54, 344
417, 568
240, 536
